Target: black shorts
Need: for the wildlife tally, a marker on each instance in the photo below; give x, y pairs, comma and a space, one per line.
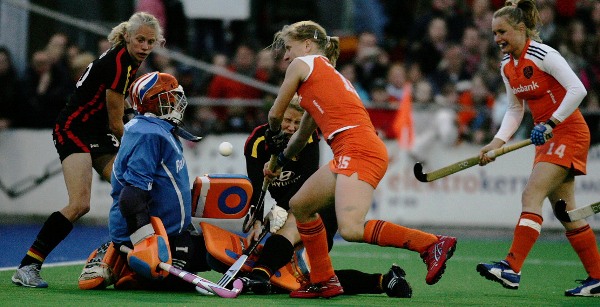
68, 142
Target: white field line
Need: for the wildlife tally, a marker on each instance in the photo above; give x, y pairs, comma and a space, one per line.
49, 265
379, 256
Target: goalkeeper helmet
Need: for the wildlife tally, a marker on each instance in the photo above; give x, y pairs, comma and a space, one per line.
159, 94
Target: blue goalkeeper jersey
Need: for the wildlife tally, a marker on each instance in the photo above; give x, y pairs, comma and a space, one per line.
151, 158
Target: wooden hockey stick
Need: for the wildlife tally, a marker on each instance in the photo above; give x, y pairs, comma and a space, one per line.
561, 213
257, 210
205, 284
464, 164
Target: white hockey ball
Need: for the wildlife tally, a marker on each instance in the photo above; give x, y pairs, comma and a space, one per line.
225, 149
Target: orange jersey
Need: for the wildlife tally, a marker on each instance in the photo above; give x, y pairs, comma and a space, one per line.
336, 108
330, 99
358, 151
534, 78
529, 81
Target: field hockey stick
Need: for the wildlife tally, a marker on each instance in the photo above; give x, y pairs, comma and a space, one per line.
464, 164
205, 285
186, 135
257, 210
239, 263
561, 213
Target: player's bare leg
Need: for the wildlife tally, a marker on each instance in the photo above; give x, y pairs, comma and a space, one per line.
103, 165
353, 201
582, 239
353, 198
77, 170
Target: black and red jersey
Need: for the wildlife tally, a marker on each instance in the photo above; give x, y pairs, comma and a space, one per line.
86, 110
293, 175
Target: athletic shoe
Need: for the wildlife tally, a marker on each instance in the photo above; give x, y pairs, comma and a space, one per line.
29, 276
435, 258
256, 283
500, 272
326, 289
589, 287
394, 283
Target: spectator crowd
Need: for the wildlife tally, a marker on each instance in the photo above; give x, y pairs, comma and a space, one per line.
440, 52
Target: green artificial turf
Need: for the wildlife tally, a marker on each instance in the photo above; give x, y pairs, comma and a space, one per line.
551, 267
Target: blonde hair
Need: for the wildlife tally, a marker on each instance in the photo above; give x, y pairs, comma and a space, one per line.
308, 29
295, 104
525, 11
117, 34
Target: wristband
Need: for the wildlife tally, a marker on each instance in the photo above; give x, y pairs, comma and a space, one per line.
551, 123
282, 160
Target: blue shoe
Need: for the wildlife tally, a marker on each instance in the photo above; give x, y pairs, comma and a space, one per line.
500, 272
589, 287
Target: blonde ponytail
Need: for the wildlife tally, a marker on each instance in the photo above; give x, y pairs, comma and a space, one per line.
117, 34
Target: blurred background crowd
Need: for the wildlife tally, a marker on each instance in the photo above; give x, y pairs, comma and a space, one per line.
438, 56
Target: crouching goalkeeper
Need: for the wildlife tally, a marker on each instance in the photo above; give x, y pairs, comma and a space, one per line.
151, 210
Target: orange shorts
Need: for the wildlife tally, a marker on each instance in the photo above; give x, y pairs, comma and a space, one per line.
569, 147
359, 150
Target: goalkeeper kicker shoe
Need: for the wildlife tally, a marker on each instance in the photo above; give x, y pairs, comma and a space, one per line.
500, 272
435, 258
29, 276
589, 287
327, 289
394, 284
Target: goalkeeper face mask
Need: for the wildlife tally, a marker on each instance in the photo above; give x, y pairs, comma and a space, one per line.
159, 94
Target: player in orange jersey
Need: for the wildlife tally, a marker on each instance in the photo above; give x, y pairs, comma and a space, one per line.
538, 74
360, 160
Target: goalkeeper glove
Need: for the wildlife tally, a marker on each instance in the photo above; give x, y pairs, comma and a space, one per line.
150, 248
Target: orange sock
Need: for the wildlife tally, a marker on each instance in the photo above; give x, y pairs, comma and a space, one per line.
583, 241
526, 233
315, 241
384, 233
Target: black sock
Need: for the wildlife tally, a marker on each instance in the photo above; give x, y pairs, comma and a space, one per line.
55, 229
357, 282
276, 253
